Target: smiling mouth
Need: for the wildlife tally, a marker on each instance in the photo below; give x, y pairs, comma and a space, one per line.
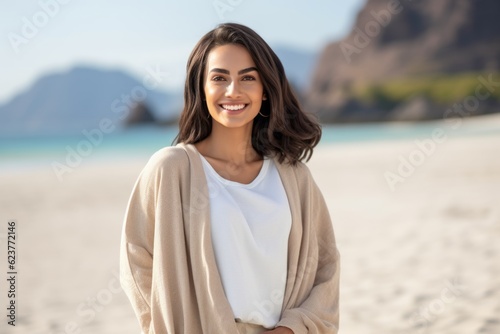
233, 107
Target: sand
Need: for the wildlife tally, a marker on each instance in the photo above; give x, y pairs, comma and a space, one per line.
420, 257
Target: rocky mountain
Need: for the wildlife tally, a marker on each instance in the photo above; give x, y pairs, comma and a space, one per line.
404, 56
69, 102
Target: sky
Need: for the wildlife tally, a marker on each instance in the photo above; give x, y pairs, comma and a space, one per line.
39, 37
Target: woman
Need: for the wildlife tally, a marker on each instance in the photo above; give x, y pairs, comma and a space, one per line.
227, 232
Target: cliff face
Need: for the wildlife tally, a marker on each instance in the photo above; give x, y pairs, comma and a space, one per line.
399, 40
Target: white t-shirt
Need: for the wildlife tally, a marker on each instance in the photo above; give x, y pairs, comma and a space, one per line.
250, 225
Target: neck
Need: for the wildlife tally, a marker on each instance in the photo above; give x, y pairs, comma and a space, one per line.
230, 144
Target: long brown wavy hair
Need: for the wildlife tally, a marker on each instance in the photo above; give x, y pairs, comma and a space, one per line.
286, 130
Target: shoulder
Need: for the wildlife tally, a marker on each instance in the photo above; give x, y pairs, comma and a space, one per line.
298, 174
300, 171
169, 159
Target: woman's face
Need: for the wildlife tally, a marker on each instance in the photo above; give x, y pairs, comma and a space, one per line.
233, 87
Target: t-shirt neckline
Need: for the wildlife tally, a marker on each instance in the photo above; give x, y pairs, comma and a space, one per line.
255, 181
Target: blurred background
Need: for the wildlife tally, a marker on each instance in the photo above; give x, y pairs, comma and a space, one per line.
408, 94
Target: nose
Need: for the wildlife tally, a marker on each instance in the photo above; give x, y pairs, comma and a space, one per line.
233, 89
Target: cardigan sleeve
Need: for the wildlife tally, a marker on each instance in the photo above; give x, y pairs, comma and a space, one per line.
318, 313
136, 252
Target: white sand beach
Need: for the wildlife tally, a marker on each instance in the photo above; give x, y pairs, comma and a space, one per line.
420, 257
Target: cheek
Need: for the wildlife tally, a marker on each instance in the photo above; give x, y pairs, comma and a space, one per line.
256, 92
255, 88
212, 92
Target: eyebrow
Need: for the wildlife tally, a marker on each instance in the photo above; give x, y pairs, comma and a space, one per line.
243, 71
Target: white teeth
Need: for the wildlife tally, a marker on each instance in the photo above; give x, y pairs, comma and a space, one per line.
233, 106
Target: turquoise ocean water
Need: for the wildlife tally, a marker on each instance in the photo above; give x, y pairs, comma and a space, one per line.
143, 141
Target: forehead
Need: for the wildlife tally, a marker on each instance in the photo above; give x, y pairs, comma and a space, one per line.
230, 56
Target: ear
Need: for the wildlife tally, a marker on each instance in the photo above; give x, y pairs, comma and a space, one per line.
264, 97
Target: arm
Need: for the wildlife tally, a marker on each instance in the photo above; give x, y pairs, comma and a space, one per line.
136, 252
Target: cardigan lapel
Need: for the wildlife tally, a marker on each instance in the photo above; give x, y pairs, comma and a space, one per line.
289, 180
219, 318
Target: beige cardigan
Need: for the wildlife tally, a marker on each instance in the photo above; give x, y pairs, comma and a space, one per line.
167, 264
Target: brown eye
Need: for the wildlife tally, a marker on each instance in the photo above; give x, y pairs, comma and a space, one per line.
217, 78
248, 78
